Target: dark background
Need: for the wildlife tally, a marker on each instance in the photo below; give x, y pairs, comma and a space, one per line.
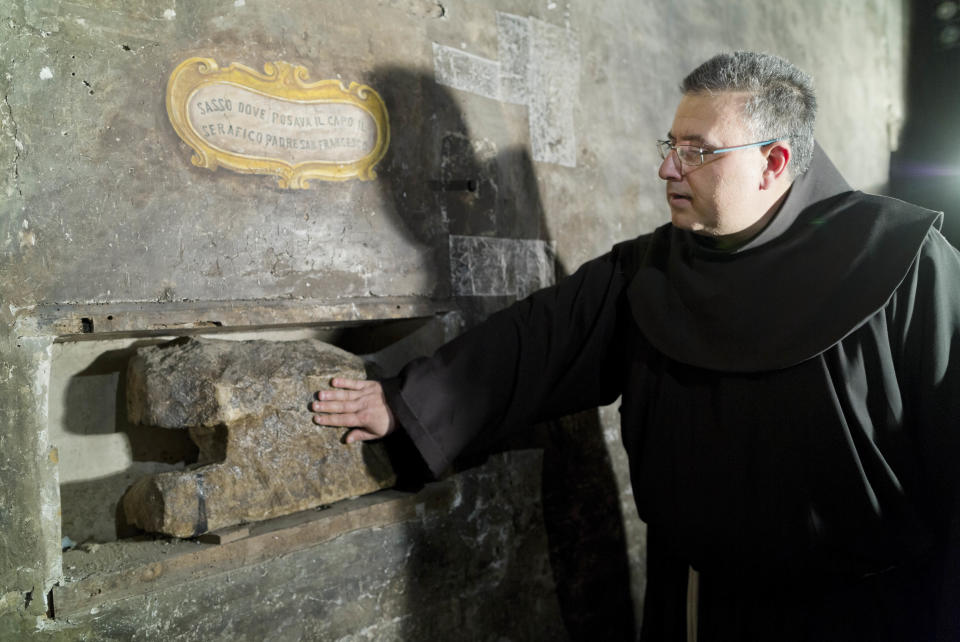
926, 168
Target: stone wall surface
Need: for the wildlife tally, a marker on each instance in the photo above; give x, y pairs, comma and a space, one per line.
520, 131
103, 204
29, 503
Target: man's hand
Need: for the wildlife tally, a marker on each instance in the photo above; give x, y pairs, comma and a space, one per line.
355, 404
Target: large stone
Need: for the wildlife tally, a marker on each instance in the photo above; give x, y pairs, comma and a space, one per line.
245, 406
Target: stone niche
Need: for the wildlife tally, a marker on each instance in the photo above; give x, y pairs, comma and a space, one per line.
319, 548
244, 404
142, 423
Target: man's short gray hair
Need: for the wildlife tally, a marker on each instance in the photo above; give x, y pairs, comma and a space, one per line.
782, 102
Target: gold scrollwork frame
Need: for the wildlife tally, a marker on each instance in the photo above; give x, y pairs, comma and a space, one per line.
283, 81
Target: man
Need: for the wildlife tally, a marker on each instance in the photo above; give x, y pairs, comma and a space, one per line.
787, 355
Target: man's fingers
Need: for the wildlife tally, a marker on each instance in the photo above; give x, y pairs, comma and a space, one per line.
354, 403
325, 395
337, 406
347, 389
360, 435
351, 384
346, 420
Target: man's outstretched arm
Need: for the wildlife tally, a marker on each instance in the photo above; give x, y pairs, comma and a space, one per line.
356, 404
556, 352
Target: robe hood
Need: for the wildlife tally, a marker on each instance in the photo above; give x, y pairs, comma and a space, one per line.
829, 260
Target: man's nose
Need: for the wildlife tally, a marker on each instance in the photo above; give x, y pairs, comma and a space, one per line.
670, 169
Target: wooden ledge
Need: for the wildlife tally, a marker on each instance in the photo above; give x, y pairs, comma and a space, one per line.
73, 322
123, 569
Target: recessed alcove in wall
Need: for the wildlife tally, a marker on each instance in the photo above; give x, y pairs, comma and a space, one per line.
100, 453
396, 564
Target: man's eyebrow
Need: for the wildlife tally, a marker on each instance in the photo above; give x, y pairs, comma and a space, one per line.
695, 138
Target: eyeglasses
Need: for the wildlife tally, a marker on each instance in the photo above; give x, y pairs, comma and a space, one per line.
693, 155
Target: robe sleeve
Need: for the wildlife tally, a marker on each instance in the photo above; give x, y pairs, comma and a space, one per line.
548, 355
929, 306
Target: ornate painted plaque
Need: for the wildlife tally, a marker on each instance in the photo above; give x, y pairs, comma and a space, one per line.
277, 122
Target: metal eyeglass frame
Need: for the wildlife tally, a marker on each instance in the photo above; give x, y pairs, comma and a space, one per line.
664, 147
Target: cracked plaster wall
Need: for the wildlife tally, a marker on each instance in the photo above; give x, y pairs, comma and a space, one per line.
100, 204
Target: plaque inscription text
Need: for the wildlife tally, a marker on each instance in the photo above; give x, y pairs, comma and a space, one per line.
277, 123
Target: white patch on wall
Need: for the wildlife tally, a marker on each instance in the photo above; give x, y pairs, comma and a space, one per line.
169, 14
539, 66
486, 266
513, 49
46, 74
553, 85
462, 70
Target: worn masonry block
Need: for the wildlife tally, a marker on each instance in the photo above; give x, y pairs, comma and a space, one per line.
245, 406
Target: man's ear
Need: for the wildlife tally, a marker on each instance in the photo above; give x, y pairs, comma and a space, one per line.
778, 156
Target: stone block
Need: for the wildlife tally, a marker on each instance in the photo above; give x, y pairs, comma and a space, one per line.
244, 404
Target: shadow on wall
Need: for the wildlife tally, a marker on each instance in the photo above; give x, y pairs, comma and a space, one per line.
95, 411
443, 182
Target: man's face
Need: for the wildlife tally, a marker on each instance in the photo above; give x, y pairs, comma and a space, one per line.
720, 197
